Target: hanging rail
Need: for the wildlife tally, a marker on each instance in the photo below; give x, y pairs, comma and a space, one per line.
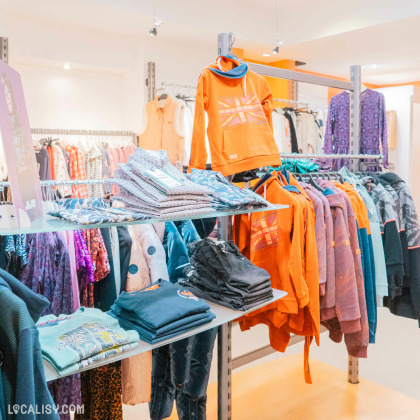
290, 101
325, 156
55, 183
300, 77
165, 85
82, 132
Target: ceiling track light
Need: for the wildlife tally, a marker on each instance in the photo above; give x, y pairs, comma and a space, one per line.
279, 43
156, 22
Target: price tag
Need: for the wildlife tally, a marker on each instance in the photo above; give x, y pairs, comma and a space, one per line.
163, 178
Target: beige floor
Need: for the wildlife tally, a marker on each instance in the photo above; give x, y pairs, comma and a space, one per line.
275, 390
393, 362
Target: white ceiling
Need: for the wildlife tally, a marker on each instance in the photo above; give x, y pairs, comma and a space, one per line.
328, 35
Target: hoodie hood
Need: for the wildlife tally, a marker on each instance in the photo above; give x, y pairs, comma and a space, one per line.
238, 70
391, 178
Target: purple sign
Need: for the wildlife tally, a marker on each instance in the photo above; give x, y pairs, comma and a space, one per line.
18, 148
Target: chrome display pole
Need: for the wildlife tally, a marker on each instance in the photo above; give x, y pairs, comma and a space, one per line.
224, 347
355, 78
4, 49
151, 80
224, 334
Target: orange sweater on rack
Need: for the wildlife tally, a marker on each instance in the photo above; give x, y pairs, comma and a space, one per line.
239, 105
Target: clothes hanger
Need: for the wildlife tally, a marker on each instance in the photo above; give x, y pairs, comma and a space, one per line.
313, 179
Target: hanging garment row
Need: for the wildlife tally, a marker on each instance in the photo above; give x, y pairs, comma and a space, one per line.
358, 238
77, 157
298, 130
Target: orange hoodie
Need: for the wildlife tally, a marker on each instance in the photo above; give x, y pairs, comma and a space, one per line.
283, 242
239, 105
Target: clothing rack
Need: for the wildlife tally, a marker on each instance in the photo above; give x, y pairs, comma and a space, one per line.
165, 85
72, 132
62, 183
326, 156
289, 101
225, 361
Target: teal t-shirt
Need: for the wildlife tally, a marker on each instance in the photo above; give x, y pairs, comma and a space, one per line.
69, 342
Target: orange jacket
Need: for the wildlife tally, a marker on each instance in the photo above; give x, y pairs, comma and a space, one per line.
240, 126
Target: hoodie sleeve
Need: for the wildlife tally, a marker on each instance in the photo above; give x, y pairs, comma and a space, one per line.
198, 147
267, 103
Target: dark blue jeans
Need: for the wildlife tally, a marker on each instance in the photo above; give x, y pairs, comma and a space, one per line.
181, 372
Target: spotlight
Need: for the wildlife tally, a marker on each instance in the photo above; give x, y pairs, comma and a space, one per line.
153, 31
66, 66
277, 47
266, 54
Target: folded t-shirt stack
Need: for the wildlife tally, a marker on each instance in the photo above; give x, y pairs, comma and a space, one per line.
226, 195
72, 342
221, 274
87, 211
160, 311
149, 184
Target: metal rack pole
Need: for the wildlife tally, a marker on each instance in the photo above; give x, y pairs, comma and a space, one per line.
151, 80
224, 334
4, 49
355, 77
224, 348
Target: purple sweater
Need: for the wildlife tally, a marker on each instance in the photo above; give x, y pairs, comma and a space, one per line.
373, 126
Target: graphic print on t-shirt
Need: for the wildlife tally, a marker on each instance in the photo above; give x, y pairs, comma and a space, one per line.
264, 232
90, 338
186, 294
236, 110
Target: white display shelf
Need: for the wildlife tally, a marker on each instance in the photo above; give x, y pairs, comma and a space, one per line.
223, 315
53, 224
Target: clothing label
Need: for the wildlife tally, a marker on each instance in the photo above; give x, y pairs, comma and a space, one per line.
164, 178
235, 156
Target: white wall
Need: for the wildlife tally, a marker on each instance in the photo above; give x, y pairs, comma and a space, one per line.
400, 99
105, 88
316, 96
178, 63
415, 174
56, 98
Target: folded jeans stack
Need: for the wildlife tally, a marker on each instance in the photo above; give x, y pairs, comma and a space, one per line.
160, 311
150, 184
72, 342
221, 274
